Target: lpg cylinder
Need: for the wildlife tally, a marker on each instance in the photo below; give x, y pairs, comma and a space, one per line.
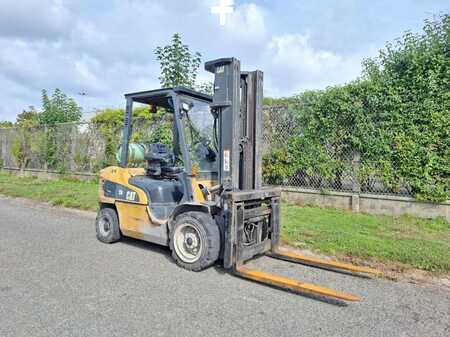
136, 152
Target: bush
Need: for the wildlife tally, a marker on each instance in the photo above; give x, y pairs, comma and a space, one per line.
394, 122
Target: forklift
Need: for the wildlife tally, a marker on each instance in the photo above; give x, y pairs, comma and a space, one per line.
203, 196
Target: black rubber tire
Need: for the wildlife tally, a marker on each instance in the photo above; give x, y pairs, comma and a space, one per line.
113, 234
209, 231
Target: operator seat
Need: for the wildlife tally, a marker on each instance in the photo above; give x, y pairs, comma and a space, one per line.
162, 181
160, 162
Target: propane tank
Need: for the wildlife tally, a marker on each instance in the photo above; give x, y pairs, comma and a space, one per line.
136, 152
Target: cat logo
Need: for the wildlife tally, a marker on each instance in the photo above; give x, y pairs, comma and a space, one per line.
130, 196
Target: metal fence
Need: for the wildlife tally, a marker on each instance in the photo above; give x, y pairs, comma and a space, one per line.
86, 147
293, 157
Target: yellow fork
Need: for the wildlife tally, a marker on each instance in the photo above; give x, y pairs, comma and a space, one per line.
321, 263
291, 284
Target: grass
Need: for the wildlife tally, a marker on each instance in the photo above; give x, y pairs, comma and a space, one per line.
65, 192
420, 243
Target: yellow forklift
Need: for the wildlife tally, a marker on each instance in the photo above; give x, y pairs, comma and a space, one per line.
203, 196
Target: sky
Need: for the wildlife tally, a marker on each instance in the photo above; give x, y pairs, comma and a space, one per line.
106, 48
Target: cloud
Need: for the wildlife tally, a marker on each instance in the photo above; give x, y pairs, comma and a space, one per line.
294, 65
106, 48
44, 19
247, 21
15, 97
108, 54
43, 65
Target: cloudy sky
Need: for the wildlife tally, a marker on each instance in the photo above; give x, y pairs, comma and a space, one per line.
105, 48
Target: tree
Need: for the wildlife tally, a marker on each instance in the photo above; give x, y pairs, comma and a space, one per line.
29, 137
59, 108
206, 88
5, 124
178, 65
28, 118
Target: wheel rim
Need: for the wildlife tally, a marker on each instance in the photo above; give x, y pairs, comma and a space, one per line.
104, 226
188, 243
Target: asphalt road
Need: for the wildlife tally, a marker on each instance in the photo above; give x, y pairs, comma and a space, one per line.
56, 279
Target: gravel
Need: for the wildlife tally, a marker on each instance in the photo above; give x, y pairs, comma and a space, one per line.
56, 279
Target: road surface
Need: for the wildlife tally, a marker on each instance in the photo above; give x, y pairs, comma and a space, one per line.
57, 280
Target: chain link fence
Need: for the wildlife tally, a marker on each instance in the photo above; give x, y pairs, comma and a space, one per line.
68, 147
291, 156
294, 156
83, 147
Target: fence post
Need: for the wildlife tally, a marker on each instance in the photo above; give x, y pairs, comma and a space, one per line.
2, 148
356, 185
46, 148
74, 139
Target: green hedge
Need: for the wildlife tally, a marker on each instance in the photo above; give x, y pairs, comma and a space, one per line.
394, 121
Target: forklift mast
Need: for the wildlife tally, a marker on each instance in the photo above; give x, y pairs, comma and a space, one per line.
250, 212
237, 103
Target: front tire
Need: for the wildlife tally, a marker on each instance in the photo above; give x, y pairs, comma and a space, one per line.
195, 241
107, 226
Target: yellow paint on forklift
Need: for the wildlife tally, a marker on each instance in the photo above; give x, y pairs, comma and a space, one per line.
120, 175
102, 198
198, 195
133, 219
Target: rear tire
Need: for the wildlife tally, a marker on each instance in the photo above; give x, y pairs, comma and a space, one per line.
107, 226
195, 241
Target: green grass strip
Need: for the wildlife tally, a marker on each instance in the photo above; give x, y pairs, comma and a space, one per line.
420, 243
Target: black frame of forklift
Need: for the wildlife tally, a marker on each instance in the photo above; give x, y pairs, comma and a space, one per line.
151, 97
